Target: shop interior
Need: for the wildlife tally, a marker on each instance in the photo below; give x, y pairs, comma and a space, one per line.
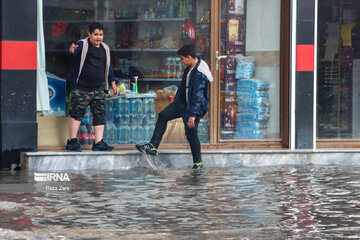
144, 37
338, 84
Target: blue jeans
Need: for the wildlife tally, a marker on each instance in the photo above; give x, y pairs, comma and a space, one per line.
172, 111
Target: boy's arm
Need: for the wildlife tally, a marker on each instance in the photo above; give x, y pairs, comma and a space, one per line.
111, 80
195, 107
111, 76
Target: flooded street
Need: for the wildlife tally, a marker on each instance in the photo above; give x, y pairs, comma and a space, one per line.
286, 202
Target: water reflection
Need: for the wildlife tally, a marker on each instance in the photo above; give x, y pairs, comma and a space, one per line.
288, 202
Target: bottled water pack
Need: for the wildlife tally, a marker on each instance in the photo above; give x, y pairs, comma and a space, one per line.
130, 119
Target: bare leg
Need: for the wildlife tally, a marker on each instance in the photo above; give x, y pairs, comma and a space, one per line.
99, 133
73, 128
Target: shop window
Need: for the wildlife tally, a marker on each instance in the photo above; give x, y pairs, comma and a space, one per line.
144, 36
250, 70
338, 70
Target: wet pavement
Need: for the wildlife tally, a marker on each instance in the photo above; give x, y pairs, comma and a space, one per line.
282, 202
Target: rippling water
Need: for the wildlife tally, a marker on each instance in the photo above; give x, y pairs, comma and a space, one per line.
287, 202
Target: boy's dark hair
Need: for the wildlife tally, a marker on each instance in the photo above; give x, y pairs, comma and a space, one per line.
95, 25
188, 49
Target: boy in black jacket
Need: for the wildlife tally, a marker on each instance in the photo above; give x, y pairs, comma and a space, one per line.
190, 103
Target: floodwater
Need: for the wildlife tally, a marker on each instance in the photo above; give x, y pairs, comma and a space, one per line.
285, 202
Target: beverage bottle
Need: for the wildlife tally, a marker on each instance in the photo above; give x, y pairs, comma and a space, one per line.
173, 67
164, 8
112, 133
146, 133
178, 68
117, 134
137, 134
126, 111
86, 118
109, 109
124, 134
168, 70
181, 10
82, 134
131, 109
116, 111
158, 10
152, 111
131, 134
140, 111
149, 132
171, 8
91, 134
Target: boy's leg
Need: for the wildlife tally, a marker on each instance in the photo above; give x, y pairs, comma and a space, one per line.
193, 139
78, 104
73, 127
98, 110
172, 111
99, 132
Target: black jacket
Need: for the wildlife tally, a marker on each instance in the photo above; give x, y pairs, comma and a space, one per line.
198, 89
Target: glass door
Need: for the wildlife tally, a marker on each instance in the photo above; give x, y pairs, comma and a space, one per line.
248, 60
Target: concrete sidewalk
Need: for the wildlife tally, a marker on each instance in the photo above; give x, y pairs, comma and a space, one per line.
117, 160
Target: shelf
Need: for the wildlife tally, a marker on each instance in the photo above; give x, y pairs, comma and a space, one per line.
161, 79
122, 20
125, 50
145, 50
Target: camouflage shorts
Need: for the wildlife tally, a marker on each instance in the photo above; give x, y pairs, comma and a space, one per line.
81, 99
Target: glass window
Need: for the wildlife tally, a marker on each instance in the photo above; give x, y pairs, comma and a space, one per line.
143, 35
249, 69
338, 70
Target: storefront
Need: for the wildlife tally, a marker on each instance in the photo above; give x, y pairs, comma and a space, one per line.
267, 59
243, 42
338, 67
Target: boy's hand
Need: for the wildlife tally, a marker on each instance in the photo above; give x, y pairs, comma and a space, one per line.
115, 89
191, 122
72, 48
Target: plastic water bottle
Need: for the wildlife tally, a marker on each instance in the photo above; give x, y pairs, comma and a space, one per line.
117, 134
124, 134
111, 133
82, 134
152, 111
109, 109
131, 134
124, 111
149, 130
116, 110
137, 133
171, 8
178, 68
168, 67
91, 133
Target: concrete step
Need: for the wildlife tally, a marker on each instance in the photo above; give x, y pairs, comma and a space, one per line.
118, 160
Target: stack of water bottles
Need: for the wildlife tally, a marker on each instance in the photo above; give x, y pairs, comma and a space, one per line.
253, 109
86, 134
130, 118
252, 99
